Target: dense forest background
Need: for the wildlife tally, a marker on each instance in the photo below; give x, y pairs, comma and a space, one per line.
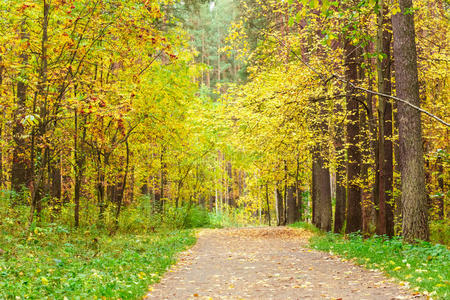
132, 115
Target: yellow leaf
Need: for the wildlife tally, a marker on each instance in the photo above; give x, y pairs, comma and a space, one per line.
44, 281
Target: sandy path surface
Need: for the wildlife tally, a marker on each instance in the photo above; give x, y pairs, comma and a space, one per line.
268, 263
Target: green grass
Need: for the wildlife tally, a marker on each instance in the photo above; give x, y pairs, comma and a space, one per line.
54, 263
307, 226
424, 266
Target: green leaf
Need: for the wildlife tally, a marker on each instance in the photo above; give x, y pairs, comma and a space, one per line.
291, 21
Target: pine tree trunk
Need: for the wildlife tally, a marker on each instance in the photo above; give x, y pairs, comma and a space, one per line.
414, 200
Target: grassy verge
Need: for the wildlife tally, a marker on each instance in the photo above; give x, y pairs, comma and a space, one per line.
55, 263
424, 267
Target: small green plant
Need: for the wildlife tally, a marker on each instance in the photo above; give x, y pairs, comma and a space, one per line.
425, 266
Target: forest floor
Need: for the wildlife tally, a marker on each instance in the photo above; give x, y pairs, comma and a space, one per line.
269, 263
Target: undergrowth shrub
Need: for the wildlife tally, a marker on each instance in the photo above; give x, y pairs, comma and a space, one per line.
195, 217
440, 232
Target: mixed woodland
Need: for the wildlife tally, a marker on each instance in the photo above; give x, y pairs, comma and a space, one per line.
125, 118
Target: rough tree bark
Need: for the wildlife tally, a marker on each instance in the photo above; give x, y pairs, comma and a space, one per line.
20, 175
354, 214
314, 219
292, 215
279, 203
414, 200
341, 191
385, 218
324, 195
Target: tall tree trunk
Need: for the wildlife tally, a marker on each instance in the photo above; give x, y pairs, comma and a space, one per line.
440, 180
162, 183
230, 181
315, 218
321, 174
79, 165
279, 206
132, 184
385, 222
20, 173
367, 208
368, 137
121, 193
43, 151
341, 191
414, 200
291, 208
2, 179
268, 204
298, 190
56, 187
101, 186
324, 195
354, 213
159, 196
398, 216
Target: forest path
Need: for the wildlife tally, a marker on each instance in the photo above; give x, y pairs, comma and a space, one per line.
268, 263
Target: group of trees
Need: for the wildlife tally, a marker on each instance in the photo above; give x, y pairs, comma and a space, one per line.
280, 110
99, 105
332, 106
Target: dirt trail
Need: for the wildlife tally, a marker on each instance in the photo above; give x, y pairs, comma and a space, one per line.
268, 263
